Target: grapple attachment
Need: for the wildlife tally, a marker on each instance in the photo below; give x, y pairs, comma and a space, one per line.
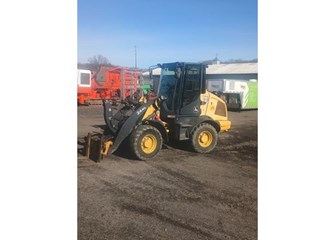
119, 124
97, 146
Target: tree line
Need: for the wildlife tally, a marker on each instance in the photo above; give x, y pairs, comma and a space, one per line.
95, 62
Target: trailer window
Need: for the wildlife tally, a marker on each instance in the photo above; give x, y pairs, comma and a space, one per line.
84, 79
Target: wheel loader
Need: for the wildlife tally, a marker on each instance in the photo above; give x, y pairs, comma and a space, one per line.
182, 111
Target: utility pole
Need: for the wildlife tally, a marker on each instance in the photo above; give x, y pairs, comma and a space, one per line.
135, 57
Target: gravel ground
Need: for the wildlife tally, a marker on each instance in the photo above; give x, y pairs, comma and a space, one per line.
179, 195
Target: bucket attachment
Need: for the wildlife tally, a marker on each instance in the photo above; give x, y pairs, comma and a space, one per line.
97, 146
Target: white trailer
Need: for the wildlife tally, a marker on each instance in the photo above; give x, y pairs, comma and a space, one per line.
238, 94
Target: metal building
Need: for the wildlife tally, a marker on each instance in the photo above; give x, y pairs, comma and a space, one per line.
242, 71
217, 72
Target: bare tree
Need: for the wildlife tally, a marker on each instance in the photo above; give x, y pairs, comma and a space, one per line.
97, 61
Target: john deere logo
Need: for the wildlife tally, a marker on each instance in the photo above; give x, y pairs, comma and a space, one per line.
138, 112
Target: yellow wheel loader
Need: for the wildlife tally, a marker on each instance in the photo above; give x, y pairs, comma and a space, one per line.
183, 111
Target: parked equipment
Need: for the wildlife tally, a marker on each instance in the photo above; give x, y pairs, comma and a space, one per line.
183, 111
114, 83
84, 86
238, 94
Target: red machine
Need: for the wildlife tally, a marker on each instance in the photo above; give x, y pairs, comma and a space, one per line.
116, 83
84, 80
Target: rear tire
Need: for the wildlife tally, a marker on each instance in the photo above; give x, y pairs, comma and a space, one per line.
146, 142
204, 138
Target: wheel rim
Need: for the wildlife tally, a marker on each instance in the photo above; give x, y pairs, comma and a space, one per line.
205, 139
149, 143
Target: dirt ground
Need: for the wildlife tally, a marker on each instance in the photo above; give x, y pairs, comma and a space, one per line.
179, 195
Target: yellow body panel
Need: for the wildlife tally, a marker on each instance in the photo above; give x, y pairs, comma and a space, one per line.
212, 106
149, 112
225, 125
215, 107
153, 113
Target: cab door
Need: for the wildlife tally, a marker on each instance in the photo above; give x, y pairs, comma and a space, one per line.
190, 91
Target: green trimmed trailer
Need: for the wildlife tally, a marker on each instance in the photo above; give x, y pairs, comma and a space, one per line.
238, 94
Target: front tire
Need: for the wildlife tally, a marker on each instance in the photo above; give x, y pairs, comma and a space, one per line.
204, 138
146, 142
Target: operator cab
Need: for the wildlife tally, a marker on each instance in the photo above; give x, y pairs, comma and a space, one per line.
180, 87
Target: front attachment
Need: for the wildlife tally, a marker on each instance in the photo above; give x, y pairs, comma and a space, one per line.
97, 146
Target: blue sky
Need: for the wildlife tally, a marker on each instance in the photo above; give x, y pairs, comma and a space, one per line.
166, 31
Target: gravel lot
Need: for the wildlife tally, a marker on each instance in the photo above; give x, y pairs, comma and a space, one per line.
179, 195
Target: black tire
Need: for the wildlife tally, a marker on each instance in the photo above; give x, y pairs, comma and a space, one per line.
204, 138
146, 142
